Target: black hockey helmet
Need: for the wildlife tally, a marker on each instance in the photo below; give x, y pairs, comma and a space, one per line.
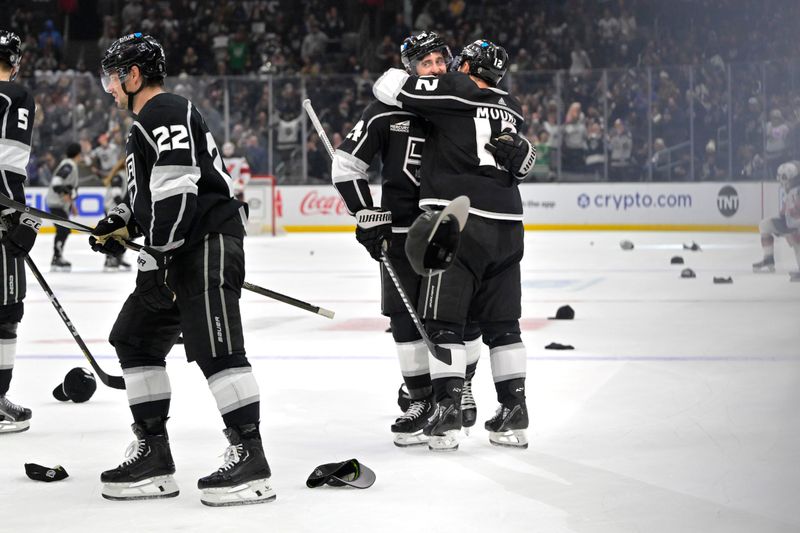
416, 47
433, 238
133, 49
10, 48
487, 60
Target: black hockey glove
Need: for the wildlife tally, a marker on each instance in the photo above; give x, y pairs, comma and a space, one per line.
109, 234
21, 234
513, 151
374, 230
151, 281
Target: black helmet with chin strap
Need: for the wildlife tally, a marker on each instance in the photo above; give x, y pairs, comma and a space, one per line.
487, 60
416, 47
133, 49
10, 49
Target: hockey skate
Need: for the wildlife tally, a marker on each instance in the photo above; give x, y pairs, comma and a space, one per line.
407, 429
507, 427
469, 411
444, 425
13, 418
765, 265
244, 477
123, 265
59, 264
111, 264
146, 473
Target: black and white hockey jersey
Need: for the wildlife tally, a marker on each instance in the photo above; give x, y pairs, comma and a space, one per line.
16, 127
463, 119
398, 136
178, 188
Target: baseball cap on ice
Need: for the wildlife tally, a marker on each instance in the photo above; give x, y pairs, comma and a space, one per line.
433, 238
349, 472
79, 385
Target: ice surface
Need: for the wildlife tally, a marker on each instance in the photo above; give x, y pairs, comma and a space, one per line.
676, 412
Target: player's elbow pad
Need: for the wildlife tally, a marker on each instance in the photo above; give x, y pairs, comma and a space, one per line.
389, 85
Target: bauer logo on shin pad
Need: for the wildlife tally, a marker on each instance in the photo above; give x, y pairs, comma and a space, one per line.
433, 239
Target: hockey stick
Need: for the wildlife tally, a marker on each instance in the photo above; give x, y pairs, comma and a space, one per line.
5, 201
115, 382
440, 353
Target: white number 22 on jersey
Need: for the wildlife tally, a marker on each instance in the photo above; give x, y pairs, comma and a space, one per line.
178, 141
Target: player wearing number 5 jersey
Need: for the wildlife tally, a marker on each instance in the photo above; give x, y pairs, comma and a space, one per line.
471, 121
17, 231
190, 276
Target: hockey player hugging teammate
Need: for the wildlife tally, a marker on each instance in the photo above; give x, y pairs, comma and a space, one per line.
471, 120
190, 276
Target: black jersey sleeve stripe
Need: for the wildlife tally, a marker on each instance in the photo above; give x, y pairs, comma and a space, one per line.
147, 137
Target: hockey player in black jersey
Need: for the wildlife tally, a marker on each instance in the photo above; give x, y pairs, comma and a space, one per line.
17, 231
472, 121
190, 276
398, 137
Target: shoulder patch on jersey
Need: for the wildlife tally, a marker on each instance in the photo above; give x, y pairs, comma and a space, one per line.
401, 127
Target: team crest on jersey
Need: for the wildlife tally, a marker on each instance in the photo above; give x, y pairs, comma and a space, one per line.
401, 127
413, 160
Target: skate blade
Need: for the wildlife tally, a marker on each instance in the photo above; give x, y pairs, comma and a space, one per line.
147, 489
404, 440
7, 426
768, 270
513, 438
444, 443
252, 492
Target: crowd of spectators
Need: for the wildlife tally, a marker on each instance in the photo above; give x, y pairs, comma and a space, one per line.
616, 89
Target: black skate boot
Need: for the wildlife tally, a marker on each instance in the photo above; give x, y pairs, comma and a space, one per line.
408, 428
444, 424
59, 264
244, 477
507, 427
403, 398
765, 265
469, 411
111, 264
13, 418
147, 470
123, 265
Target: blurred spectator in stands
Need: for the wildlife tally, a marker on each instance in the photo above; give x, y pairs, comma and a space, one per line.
131, 14
751, 163
238, 54
574, 144
777, 134
319, 165
554, 129
580, 61
620, 148
712, 168
256, 155
542, 168
51, 36
190, 62
595, 151
384, 54
400, 30
334, 28
314, 44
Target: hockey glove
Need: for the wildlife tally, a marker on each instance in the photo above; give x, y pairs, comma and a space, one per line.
21, 234
151, 281
374, 230
513, 151
109, 235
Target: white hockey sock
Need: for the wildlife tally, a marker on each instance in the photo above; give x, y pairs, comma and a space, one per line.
508, 362
8, 352
473, 350
234, 388
458, 366
146, 384
413, 357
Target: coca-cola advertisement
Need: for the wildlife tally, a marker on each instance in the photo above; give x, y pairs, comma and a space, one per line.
316, 208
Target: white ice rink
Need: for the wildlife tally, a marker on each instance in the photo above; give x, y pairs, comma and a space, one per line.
676, 412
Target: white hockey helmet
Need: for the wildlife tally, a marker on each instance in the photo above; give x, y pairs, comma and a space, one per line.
787, 172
